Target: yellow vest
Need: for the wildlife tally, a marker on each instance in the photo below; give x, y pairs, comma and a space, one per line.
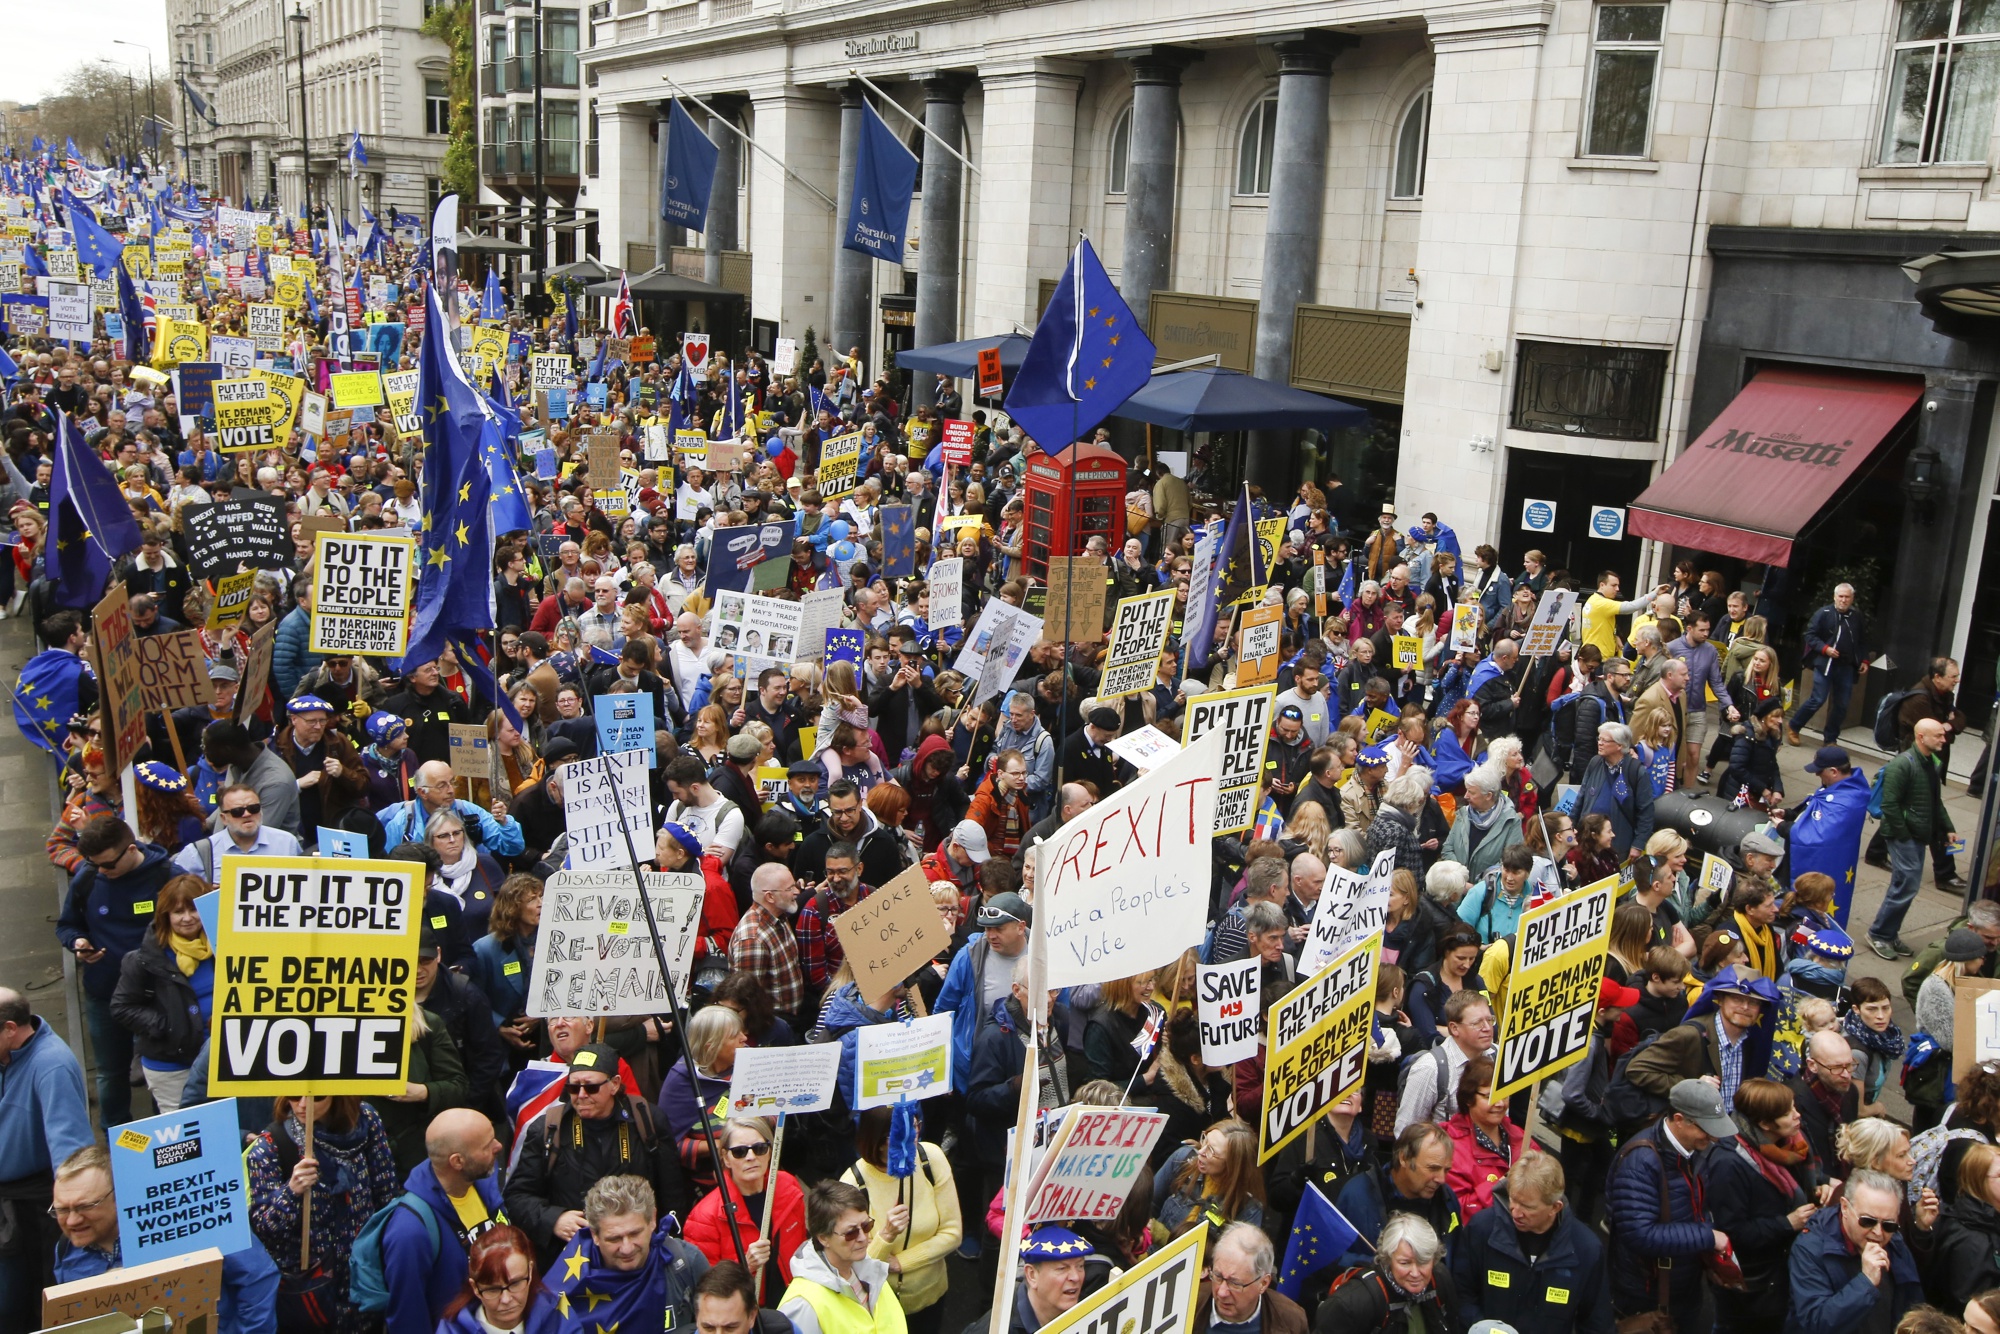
840, 1314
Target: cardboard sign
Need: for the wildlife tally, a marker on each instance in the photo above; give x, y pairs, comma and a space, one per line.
467, 746
1552, 988
1318, 1045
187, 1287
958, 436
591, 818
991, 378
1226, 1002
173, 671
644, 350
1124, 886
256, 672
314, 979
1975, 1023
231, 601
772, 1081
1075, 608
180, 1184
891, 933
594, 951
1139, 627
121, 693
903, 1062
1088, 1167
1552, 616
1244, 718
1165, 1287
362, 587
1260, 645
839, 465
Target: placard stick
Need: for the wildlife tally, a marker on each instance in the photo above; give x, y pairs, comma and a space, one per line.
1010, 1227
174, 739
770, 1194
306, 1203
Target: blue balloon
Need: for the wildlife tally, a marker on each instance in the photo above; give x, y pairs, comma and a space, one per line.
838, 530
773, 447
842, 552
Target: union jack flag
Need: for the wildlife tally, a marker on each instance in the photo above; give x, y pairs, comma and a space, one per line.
1148, 1035
623, 325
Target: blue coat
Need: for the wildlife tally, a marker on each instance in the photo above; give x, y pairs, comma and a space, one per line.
1566, 1288
1639, 1239
105, 912
249, 1300
44, 1113
500, 836
420, 1283
543, 1318
1830, 1294
289, 658
500, 970
963, 986
1367, 1200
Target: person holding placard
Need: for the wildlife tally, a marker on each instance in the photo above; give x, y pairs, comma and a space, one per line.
918, 1218
86, 1209
837, 1287
750, 1157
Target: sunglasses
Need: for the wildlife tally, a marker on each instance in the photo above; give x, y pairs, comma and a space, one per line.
741, 1151
1888, 1226
589, 1086
862, 1229
254, 808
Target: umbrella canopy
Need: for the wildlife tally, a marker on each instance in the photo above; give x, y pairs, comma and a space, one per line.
587, 270
961, 360
658, 284
481, 244
1210, 398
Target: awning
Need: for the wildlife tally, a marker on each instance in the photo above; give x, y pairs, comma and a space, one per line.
1771, 461
961, 360
1215, 398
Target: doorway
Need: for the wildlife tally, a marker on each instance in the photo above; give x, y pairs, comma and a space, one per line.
1575, 484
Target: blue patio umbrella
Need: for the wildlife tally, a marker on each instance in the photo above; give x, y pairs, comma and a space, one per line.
1210, 398
961, 360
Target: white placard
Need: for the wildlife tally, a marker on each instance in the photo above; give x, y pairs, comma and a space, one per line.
894, 1062
819, 612
70, 314
1226, 1004
1552, 614
772, 1081
1146, 749
235, 353
594, 952
993, 652
947, 589
592, 820
1350, 908
784, 356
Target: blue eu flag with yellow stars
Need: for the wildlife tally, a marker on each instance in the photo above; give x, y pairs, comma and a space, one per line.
1087, 357
455, 543
1320, 1236
510, 512
94, 245
47, 697
594, 1298
90, 524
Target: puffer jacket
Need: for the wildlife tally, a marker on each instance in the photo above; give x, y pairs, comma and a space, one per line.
1830, 1294
157, 1003
1640, 1239
1965, 1254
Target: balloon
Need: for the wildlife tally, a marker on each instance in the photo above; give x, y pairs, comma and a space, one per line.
773, 447
838, 530
843, 552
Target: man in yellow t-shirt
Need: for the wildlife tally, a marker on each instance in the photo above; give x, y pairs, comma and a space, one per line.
1602, 609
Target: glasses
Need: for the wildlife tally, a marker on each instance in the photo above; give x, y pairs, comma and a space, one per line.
513, 1287
254, 808
1886, 1226
1845, 1069
76, 1210
862, 1229
742, 1151
111, 865
1218, 1279
589, 1087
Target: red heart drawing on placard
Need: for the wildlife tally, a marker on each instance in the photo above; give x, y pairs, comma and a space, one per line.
695, 350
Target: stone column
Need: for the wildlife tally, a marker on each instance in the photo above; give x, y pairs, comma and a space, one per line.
1292, 227
721, 233
1149, 175
943, 197
1027, 147
789, 228
665, 234
852, 279
628, 199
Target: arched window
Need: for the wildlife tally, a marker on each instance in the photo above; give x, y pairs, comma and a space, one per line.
1253, 153
1413, 143
1121, 151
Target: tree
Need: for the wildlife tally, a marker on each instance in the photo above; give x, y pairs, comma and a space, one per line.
459, 173
94, 101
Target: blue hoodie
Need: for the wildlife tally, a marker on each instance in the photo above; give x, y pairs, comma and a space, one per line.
423, 1283
44, 1113
112, 914
846, 1012
249, 1300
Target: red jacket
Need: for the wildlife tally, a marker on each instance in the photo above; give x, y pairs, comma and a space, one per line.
707, 1227
1476, 1170
718, 909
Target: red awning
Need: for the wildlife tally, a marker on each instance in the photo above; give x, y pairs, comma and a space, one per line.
1770, 461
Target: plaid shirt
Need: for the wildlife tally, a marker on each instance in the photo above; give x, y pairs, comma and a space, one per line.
1732, 1064
764, 947
819, 946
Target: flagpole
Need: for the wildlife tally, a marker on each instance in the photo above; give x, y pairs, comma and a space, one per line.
918, 121
714, 115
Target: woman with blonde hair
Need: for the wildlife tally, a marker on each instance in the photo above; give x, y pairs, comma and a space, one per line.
1215, 1177
1308, 824
711, 734
917, 1219
1117, 1020
512, 763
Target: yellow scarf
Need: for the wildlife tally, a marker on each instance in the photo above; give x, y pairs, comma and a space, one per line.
1760, 945
189, 953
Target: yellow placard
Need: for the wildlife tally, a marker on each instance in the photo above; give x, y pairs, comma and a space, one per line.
245, 414
178, 341
356, 389
1380, 724
1406, 653
288, 289
490, 346
1318, 1046
291, 391
1552, 988
232, 600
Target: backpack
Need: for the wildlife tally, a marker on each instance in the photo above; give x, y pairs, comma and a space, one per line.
1562, 722
1926, 1077
1885, 720
552, 1122
1927, 1151
1437, 1057
1626, 1103
367, 1280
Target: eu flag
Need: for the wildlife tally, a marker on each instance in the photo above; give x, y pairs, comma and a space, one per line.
1087, 357
47, 697
510, 506
885, 176
594, 1298
90, 524
134, 312
94, 245
1827, 837
899, 545
1320, 1236
492, 305
455, 544
687, 170
1236, 567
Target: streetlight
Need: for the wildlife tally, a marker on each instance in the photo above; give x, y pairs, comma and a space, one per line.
152, 110
299, 20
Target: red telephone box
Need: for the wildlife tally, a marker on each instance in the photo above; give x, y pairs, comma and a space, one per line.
1071, 499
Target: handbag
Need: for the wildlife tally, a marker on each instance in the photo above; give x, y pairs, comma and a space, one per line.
310, 1300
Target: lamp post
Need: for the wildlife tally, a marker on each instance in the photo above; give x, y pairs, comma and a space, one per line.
152, 109
541, 153
298, 20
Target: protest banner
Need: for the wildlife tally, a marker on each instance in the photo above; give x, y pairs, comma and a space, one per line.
246, 414
1244, 718
691, 447
1317, 1047
1379, 725
784, 356
601, 459
594, 951
1406, 653
362, 586
1351, 907
993, 652
289, 391
1226, 999
1259, 649
179, 1182
312, 415
489, 345
1139, 627
591, 819
1146, 749
256, 671
315, 969
819, 613
467, 748
901, 1062
946, 581
1465, 623
340, 843
1124, 886
550, 370
356, 389
1164, 1289
839, 465
231, 601
70, 314
120, 692
266, 324
288, 289
843, 646
773, 1081
187, 1288
1552, 987
1552, 616
399, 389
625, 722
1075, 607
735, 553
1089, 1164
957, 451
643, 350
891, 933
238, 354
760, 631
991, 376
1717, 875
173, 671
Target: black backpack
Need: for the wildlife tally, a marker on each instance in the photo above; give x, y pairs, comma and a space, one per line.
1885, 720
1629, 1106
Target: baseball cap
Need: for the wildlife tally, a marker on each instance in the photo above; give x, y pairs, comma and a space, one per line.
598, 1056
1701, 1103
1829, 757
427, 943
1002, 909
970, 836
1761, 839
743, 747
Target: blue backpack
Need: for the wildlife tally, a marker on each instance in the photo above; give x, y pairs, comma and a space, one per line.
367, 1280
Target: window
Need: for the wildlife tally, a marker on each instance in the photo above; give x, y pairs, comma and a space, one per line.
1413, 145
1611, 393
208, 40
496, 58
437, 107
1624, 69
1121, 151
559, 34
523, 79
1942, 85
560, 131
1253, 153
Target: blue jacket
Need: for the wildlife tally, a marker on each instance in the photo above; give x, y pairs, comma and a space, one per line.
44, 1113
249, 1300
1499, 593
421, 1284
844, 1013
1566, 1288
543, 1318
1639, 1240
289, 658
500, 971
1830, 1294
1829, 629
991, 1099
963, 986
113, 915
501, 837
1367, 1200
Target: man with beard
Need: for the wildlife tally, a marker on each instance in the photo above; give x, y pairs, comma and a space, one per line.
331, 778
455, 1183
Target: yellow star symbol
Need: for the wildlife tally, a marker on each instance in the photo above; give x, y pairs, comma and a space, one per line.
43, 701
439, 407
1110, 320
465, 491
603, 1329
427, 523
562, 1305
463, 535
1090, 383
1115, 338
1093, 312
438, 558
1107, 363
595, 1299
574, 1263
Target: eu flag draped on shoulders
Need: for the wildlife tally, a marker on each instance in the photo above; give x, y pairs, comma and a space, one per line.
594, 1298
1087, 357
1320, 1235
90, 524
48, 695
1827, 837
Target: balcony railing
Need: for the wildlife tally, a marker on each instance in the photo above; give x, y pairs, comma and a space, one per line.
492, 81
